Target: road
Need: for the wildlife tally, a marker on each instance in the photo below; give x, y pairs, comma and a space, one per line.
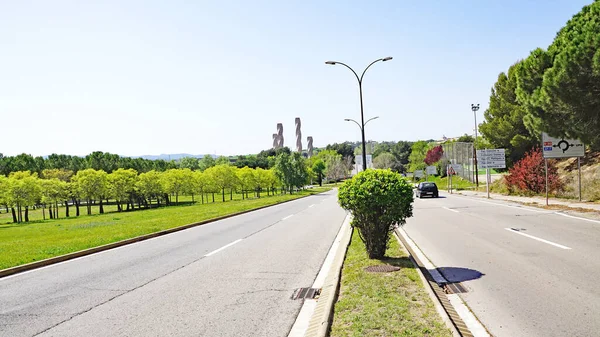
233, 277
537, 280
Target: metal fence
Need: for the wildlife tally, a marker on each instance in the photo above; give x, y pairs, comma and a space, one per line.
462, 154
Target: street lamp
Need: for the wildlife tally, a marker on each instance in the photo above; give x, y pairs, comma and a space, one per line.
475, 107
362, 132
362, 117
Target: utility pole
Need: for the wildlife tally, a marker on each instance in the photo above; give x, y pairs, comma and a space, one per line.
475, 107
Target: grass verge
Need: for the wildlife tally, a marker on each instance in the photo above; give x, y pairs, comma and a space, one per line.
383, 304
34, 241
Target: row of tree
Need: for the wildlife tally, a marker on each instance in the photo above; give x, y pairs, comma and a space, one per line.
554, 90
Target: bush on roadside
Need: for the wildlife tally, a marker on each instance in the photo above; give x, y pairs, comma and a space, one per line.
378, 200
528, 174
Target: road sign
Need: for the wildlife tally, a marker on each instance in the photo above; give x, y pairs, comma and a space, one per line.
457, 168
419, 174
451, 170
561, 148
491, 158
431, 170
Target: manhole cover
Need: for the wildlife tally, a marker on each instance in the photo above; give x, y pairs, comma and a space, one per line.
384, 268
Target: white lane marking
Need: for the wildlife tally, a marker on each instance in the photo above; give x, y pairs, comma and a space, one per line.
287, 217
308, 308
450, 209
461, 308
220, 249
538, 239
513, 206
467, 316
311, 206
576, 217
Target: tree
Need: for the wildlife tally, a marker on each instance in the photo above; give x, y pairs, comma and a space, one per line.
52, 192
91, 184
222, 160
291, 170
247, 180
379, 200
417, 155
559, 87
344, 149
468, 138
223, 177
173, 182
504, 124
149, 185
60, 174
318, 168
190, 163
434, 155
23, 192
261, 179
121, 185
336, 169
384, 160
201, 183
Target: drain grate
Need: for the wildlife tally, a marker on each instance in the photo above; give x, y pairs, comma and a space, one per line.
454, 288
384, 268
304, 293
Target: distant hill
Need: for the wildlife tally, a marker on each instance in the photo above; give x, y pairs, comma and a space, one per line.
172, 156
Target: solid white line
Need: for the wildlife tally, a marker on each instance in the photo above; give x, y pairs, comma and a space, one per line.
287, 217
538, 239
437, 277
220, 249
576, 217
451, 210
308, 308
467, 316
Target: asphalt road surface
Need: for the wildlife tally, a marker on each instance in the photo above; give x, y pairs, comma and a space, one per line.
529, 272
229, 278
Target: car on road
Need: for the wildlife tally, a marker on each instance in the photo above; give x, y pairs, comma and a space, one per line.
427, 188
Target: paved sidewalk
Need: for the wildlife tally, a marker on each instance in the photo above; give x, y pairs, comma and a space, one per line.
536, 199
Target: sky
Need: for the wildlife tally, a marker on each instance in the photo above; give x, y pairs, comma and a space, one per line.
215, 77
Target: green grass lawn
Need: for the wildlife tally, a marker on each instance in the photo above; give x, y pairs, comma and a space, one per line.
383, 304
28, 242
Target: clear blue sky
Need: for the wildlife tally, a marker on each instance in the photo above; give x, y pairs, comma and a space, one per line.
151, 77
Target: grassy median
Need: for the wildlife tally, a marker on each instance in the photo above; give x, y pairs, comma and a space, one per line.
383, 304
28, 242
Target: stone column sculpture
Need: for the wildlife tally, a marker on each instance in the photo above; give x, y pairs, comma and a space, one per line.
275, 141
309, 139
280, 134
298, 135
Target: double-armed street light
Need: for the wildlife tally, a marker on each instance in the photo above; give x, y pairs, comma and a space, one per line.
362, 118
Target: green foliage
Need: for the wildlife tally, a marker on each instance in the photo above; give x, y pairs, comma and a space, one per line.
206, 162
190, 163
291, 170
417, 155
504, 125
318, 168
344, 149
378, 200
559, 86
384, 160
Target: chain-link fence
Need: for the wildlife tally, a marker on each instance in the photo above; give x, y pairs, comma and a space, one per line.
461, 154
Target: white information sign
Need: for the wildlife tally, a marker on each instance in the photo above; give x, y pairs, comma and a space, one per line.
419, 174
457, 168
561, 148
431, 170
491, 158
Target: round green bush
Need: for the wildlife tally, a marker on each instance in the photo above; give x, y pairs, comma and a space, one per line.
378, 200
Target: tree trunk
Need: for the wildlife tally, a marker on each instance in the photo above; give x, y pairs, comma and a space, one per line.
44, 211
101, 206
231, 194
213, 196
51, 212
56, 208
67, 208
192, 197
243, 195
89, 207
26, 213
14, 214
202, 196
177, 198
76, 202
20, 209
223, 194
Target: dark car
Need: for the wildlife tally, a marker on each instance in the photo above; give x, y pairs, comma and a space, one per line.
427, 188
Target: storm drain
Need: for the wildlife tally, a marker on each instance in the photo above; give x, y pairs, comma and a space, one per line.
306, 293
383, 268
454, 288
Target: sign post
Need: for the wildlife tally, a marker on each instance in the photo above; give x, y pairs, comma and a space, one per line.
562, 148
491, 158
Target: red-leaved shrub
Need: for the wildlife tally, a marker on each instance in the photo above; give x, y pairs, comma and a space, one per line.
528, 174
434, 155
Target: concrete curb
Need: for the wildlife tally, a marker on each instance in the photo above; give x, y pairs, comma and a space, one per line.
321, 318
74, 255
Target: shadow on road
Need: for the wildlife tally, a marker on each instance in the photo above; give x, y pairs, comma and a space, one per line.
456, 274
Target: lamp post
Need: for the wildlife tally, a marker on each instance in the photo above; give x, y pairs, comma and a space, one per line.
362, 130
362, 117
475, 107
